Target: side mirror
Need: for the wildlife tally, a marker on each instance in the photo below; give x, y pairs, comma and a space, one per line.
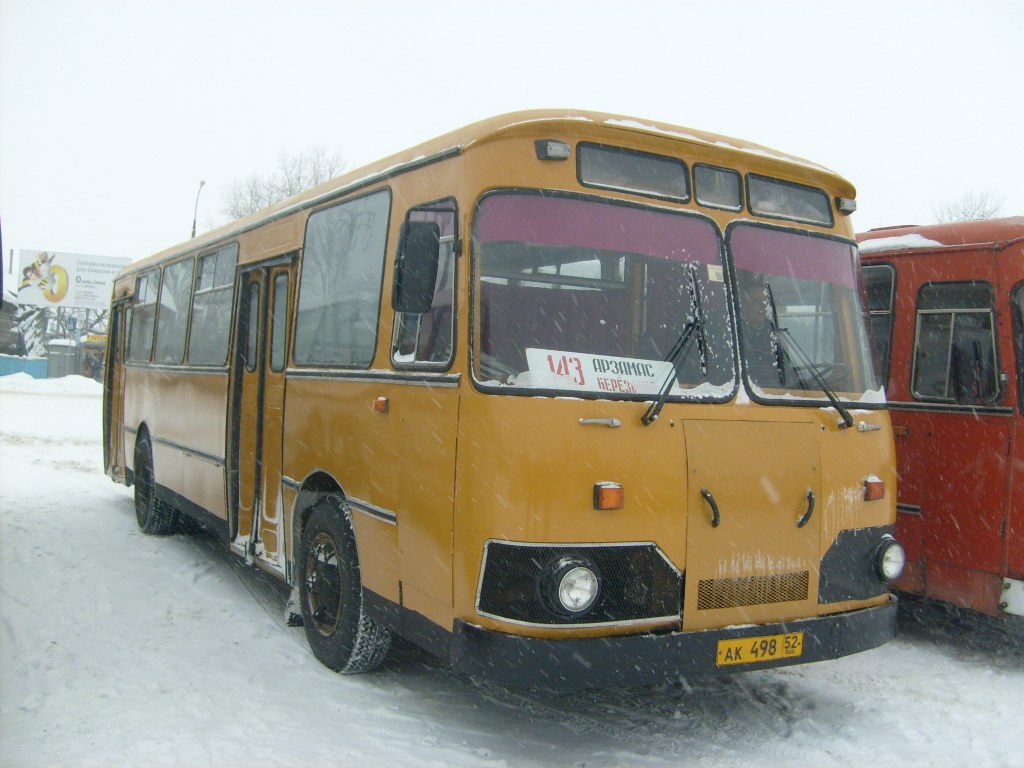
416, 267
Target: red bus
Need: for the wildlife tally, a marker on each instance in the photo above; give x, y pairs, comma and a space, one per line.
946, 306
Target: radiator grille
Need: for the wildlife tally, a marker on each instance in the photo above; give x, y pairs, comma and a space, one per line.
751, 590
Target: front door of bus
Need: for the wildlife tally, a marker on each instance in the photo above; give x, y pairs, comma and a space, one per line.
113, 394
258, 420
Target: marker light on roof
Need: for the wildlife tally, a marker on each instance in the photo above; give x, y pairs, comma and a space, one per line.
549, 149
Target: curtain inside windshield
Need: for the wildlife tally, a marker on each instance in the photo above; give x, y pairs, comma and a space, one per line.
577, 295
800, 321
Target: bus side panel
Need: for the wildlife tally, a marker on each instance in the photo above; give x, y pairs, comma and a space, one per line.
139, 403
188, 442
202, 426
911, 469
330, 427
1015, 503
428, 430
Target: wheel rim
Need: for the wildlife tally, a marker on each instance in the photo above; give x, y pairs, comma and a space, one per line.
323, 583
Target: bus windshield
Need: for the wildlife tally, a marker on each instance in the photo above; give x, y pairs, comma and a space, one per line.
800, 323
588, 297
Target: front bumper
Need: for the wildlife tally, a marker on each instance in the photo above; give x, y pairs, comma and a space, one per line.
634, 660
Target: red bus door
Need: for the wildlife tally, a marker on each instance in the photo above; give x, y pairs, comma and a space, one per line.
1014, 540
953, 440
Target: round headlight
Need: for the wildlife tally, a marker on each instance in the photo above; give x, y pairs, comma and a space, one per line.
890, 559
577, 588
569, 585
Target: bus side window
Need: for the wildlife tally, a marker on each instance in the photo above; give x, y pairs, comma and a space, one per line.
340, 282
879, 282
955, 344
172, 321
211, 307
425, 338
143, 318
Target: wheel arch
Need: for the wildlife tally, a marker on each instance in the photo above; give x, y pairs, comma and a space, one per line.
316, 486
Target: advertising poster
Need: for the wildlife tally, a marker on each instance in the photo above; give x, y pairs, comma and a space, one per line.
73, 280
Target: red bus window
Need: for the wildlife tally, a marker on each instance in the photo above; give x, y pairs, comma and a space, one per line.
955, 344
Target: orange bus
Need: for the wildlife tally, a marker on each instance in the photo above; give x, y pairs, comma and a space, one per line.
562, 397
947, 316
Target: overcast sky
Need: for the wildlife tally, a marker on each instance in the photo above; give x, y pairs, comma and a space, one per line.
112, 111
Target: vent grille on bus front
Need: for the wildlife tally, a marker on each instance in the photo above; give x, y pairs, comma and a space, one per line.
751, 590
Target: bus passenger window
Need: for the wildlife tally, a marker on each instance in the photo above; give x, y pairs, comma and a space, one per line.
426, 339
211, 308
340, 282
955, 344
140, 345
175, 294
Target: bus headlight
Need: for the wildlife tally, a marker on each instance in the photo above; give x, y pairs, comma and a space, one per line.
572, 585
890, 559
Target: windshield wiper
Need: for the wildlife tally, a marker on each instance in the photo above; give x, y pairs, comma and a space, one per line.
677, 354
794, 349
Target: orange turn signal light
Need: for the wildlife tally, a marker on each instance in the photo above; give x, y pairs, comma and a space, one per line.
608, 496
380, 405
874, 489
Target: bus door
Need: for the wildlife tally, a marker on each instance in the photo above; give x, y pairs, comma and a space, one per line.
258, 412
753, 533
113, 394
1014, 543
960, 440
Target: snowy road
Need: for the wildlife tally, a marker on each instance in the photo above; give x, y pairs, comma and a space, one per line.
119, 649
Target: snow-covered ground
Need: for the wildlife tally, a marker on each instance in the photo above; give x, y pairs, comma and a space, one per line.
119, 649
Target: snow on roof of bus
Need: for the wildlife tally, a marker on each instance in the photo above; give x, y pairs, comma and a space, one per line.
904, 237
462, 139
514, 119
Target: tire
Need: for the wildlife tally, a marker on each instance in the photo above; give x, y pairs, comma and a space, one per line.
340, 634
154, 517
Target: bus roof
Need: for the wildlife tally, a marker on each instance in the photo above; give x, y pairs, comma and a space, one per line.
988, 233
460, 140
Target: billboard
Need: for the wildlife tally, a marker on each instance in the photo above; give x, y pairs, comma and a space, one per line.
50, 279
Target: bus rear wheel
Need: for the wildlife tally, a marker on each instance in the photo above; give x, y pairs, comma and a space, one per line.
153, 516
340, 633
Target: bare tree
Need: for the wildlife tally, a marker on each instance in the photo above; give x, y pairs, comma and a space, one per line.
296, 172
970, 206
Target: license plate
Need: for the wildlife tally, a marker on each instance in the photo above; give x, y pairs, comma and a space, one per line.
750, 650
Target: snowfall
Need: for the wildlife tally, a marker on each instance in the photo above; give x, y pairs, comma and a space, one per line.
120, 649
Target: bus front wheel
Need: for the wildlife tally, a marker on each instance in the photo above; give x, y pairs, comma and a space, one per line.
154, 517
341, 635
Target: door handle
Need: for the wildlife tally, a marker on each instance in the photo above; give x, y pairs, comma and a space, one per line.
806, 516
716, 518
